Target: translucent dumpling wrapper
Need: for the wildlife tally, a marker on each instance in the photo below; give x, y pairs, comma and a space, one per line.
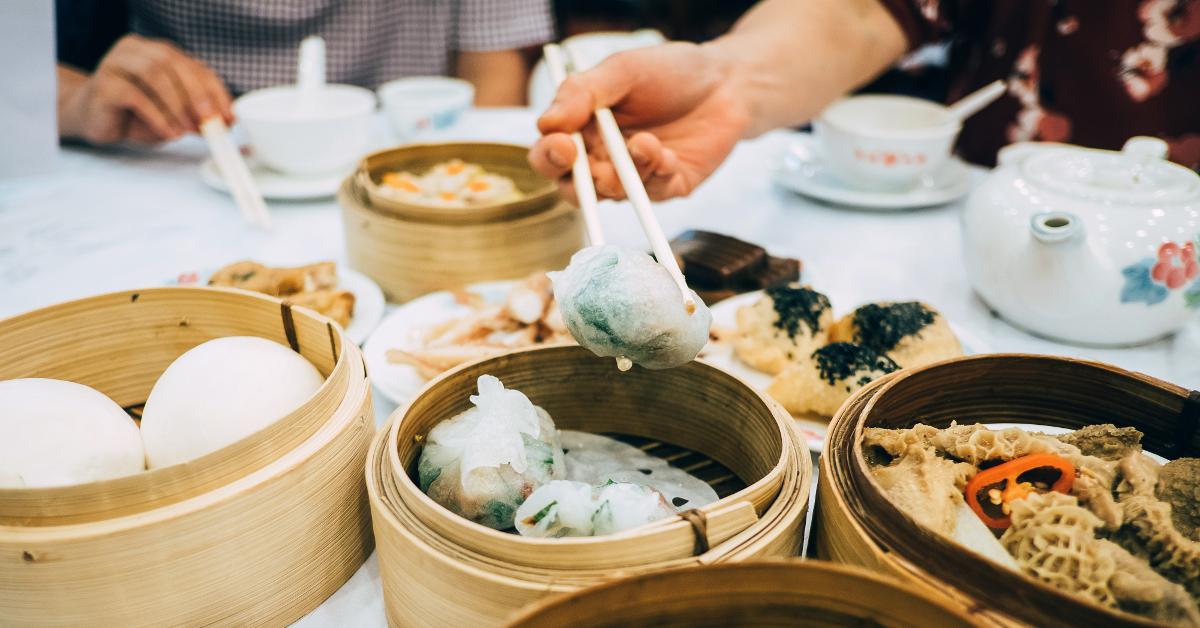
620, 303
557, 509
483, 463
565, 508
597, 460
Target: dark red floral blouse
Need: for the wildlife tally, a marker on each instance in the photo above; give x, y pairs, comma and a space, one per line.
1087, 72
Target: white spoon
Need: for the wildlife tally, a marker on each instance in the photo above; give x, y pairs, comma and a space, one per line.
972, 103
310, 72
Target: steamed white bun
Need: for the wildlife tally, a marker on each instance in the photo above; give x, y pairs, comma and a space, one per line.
56, 433
220, 392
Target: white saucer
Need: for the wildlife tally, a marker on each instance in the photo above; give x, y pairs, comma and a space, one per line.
278, 186
721, 354
369, 304
800, 169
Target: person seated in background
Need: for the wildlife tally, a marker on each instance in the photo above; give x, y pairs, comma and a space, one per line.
1078, 71
182, 60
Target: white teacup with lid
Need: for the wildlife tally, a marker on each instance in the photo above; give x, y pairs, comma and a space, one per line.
310, 127
1087, 246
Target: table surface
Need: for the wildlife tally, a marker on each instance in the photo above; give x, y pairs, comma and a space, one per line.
111, 220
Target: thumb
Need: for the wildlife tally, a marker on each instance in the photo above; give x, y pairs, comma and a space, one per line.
579, 95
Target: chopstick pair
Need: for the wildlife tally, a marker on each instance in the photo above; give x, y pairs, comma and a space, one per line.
233, 169
560, 64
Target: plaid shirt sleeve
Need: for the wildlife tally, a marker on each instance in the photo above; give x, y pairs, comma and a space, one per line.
503, 24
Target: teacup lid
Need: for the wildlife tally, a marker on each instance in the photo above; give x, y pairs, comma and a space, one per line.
1138, 174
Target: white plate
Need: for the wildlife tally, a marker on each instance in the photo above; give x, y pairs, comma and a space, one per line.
801, 169
722, 355
400, 329
275, 185
368, 298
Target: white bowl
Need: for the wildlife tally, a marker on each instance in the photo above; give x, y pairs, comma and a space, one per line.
318, 134
425, 103
885, 142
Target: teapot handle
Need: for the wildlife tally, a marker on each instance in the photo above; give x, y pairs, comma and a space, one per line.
1055, 227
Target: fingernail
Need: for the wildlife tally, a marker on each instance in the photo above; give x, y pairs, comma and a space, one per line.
205, 109
556, 160
553, 111
638, 157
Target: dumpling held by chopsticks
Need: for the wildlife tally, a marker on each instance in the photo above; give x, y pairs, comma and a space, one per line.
620, 303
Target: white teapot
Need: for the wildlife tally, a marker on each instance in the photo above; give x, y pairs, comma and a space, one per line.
1087, 246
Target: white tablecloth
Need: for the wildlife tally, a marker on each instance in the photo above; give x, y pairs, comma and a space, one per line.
114, 220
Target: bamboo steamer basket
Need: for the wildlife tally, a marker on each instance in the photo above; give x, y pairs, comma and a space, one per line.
769, 593
856, 523
440, 569
411, 250
508, 160
259, 532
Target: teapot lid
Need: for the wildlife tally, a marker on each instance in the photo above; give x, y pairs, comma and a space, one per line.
1138, 174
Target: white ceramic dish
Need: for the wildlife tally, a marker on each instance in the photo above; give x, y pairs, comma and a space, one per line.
278, 186
321, 133
802, 169
400, 329
368, 298
721, 354
883, 142
425, 103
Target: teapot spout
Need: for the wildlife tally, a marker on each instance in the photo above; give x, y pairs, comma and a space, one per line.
1055, 227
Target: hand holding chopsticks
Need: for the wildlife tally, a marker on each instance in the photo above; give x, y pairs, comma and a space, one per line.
627, 173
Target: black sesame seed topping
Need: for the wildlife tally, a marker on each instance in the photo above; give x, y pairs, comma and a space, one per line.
841, 360
882, 327
794, 305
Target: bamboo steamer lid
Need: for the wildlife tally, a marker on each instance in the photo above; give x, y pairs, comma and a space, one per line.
431, 560
769, 593
259, 532
856, 523
409, 258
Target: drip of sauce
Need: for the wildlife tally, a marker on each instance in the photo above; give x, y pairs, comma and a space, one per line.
796, 305
842, 360
882, 327
624, 363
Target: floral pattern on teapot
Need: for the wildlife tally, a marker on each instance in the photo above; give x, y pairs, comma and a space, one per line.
1151, 280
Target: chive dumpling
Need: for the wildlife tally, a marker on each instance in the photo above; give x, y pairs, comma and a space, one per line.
482, 463
620, 303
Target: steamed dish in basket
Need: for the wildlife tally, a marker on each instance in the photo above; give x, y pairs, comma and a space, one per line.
818, 361
451, 184
60, 433
220, 392
620, 303
503, 464
1086, 512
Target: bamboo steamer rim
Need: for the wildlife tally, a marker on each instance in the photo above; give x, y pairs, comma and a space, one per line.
785, 575
351, 199
896, 540
193, 477
539, 193
768, 483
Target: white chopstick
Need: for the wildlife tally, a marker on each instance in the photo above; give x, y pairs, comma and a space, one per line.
627, 172
233, 169
581, 172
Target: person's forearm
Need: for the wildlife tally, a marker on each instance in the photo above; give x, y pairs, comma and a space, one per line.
69, 81
788, 59
499, 77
